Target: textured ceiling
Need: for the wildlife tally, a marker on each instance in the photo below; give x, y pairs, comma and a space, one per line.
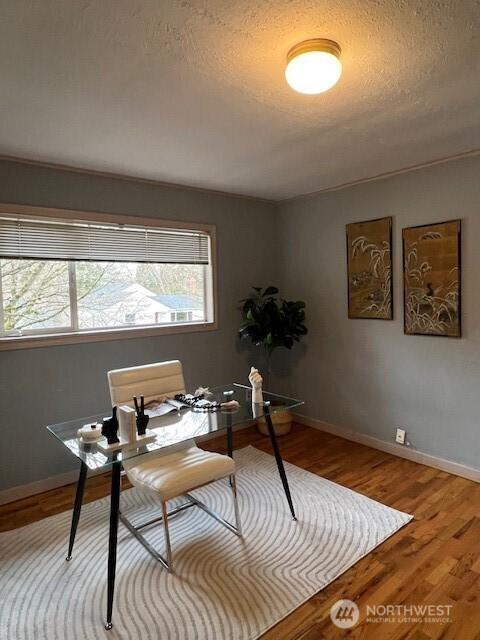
193, 92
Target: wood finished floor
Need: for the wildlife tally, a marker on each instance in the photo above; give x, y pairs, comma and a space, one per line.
433, 560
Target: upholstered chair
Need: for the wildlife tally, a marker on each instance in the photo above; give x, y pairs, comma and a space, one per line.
174, 472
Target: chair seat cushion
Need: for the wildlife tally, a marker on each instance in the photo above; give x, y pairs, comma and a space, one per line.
177, 473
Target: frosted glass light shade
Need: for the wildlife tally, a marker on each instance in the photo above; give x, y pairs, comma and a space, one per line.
313, 66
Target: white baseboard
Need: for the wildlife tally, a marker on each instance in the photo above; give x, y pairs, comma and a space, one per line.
53, 482
457, 469
39, 486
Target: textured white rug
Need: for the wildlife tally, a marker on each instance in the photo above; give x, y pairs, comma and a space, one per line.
224, 588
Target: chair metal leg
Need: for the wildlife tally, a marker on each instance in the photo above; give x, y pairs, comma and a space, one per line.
214, 514
77, 508
167, 561
165, 517
167, 536
238, 523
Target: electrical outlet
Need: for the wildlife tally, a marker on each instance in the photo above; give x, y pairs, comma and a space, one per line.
400, 436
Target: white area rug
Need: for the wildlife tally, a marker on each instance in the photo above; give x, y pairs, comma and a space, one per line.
224, 588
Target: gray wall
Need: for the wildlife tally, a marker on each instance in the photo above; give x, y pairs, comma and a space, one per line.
362, 374
45, 385
366, 374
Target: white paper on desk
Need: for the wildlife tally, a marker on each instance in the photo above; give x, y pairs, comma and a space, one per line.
157, 408
176, 404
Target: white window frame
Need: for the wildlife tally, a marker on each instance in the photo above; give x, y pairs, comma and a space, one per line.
57, 336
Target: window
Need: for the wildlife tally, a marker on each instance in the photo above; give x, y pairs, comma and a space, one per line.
83, 277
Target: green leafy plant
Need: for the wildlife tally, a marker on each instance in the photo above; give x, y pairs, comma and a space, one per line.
271, 322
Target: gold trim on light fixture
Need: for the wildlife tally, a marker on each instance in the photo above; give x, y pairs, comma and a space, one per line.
314, 44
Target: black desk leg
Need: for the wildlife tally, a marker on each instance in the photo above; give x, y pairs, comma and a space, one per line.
278, 458
77, 508
229, 437
112, 541
229, 440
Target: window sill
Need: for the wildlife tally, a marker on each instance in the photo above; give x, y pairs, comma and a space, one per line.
54, 339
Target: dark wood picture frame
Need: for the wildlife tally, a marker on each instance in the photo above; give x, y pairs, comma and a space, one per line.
370, 290
432, 298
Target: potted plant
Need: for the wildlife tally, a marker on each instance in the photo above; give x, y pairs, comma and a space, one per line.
270, 322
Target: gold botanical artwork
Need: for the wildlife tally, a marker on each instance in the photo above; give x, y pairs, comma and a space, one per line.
369, 266
431, 273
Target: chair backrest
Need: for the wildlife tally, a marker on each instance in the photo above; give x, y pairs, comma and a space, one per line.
150, 380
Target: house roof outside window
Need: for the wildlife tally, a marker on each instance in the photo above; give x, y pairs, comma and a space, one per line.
178, 302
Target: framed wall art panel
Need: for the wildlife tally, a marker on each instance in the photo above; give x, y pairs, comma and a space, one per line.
432, 279
369, 269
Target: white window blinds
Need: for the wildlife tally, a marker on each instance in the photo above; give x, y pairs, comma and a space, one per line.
62, 240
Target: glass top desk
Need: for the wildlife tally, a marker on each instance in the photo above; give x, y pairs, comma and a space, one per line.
170, 429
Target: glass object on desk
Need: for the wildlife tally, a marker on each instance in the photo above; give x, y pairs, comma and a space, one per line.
175, 427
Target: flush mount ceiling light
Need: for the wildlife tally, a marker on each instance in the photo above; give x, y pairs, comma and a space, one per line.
313, 66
